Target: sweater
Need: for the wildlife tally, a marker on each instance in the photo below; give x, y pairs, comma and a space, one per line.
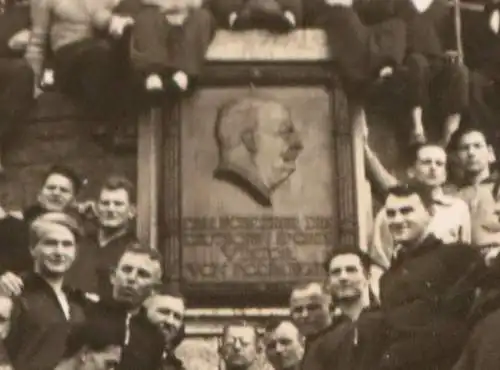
63, 22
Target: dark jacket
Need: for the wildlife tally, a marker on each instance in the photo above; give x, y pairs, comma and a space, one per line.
37, 340
426, 296
322, 349
92, 269
143, 343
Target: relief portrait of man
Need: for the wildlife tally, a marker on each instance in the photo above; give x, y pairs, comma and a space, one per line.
258, 146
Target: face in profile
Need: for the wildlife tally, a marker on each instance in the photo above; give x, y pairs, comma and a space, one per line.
6, 306
347, 277
310, 309
57, 193
284, 346
167, 313
114, 209
407, 218
277, 146
239, 346
135, 277
55, 251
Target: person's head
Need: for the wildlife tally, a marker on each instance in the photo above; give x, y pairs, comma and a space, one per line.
60, 186
54, 238
93, 345
284, 344
240, 345
6, 309
115, 205
260, 131
137, 274
428, 166
166, 309
348, 271
473, 151
310, 308
406, 213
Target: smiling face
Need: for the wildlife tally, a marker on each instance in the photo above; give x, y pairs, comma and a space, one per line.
347, 277
55, 251
407, 218
57, 193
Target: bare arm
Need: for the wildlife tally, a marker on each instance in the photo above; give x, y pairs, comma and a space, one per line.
377, 173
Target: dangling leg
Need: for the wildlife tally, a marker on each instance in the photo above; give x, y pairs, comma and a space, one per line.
190, 47
149, 53
456, 97
418, 85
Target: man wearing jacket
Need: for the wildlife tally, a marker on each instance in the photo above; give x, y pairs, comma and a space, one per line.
47, 309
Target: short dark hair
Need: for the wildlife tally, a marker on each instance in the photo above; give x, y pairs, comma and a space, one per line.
364, 258
274, 323
138, 248
115, 182
404, 190
69, 173
458, 136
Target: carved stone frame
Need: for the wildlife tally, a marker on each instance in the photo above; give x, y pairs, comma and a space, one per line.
166, 184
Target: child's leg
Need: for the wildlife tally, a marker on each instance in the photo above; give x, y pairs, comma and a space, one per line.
455, 93
417, 80
189, 49
148, 51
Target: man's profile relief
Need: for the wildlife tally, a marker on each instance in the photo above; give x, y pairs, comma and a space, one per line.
258, 146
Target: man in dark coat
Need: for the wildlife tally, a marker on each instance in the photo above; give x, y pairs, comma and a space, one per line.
310, 312
46, 309
425, 295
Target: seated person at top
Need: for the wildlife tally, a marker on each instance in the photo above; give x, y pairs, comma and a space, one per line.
169, 41
86, 62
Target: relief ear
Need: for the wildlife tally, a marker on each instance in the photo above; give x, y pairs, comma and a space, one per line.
248, 139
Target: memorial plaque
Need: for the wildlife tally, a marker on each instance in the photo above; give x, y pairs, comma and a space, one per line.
257, 197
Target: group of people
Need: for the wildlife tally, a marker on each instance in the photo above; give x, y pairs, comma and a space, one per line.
107, 54
425, 295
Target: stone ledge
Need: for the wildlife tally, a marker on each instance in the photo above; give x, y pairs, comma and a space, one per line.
257, 45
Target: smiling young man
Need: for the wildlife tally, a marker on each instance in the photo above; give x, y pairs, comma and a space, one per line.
47, 308
425, 295
284, 345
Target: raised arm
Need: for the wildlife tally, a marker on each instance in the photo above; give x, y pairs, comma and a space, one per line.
40, 30
378, 175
